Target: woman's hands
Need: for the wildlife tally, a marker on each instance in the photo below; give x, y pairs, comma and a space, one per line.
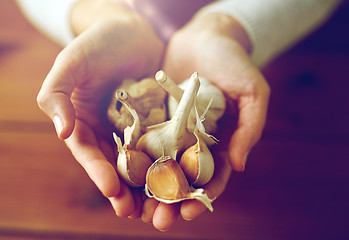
113, 43
217, 48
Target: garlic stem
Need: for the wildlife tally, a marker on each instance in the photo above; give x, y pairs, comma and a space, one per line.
124, 97
169, 85
208, 95
172, 136
181, 115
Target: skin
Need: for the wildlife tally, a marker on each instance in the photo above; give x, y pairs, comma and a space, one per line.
114, 43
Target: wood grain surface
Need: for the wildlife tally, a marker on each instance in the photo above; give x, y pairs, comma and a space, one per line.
296, 185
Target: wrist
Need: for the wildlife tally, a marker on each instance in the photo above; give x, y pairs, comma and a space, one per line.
225, 25
85, 13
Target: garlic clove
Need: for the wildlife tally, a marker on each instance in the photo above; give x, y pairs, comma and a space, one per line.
206, 92
166, 182
170, 137
197, 161
189, 163
148, 98
132, 165
197, 164
137, 165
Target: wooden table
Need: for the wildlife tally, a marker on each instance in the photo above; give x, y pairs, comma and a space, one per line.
295, 186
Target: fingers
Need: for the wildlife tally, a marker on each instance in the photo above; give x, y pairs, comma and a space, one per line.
138, 196
162, 215
85, 148
123, 202
165, 215
149, 208
54, 96
191, 209
252, 117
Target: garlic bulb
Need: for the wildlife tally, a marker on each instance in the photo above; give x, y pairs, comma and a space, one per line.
166, 182
145, 96
206, 92
172, 136
132, 165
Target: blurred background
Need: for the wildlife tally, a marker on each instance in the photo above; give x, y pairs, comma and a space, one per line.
296, 184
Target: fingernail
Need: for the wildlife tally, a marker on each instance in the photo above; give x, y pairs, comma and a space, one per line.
57, 121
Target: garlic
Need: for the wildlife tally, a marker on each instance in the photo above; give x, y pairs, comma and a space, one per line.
206, 92
166, 182
172, 136
197, 163
145, 96
132, 165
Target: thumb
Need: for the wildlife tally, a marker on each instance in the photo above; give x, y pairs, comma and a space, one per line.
54, 96
252, 118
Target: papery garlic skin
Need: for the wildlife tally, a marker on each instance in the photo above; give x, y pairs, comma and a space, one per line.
206, 92
148, 99
166, 182
132, 165
172, 136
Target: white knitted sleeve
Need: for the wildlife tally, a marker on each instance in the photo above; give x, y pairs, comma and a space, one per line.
274, 25
51, 17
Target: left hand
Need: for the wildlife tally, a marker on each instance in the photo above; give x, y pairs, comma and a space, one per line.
216, 46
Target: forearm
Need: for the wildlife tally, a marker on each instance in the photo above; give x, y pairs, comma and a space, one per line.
88, 12
50, 17
62, 20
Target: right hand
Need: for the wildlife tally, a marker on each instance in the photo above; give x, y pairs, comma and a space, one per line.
114, 44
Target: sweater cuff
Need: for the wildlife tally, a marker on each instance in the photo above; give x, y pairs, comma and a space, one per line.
50, 17
273, 25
